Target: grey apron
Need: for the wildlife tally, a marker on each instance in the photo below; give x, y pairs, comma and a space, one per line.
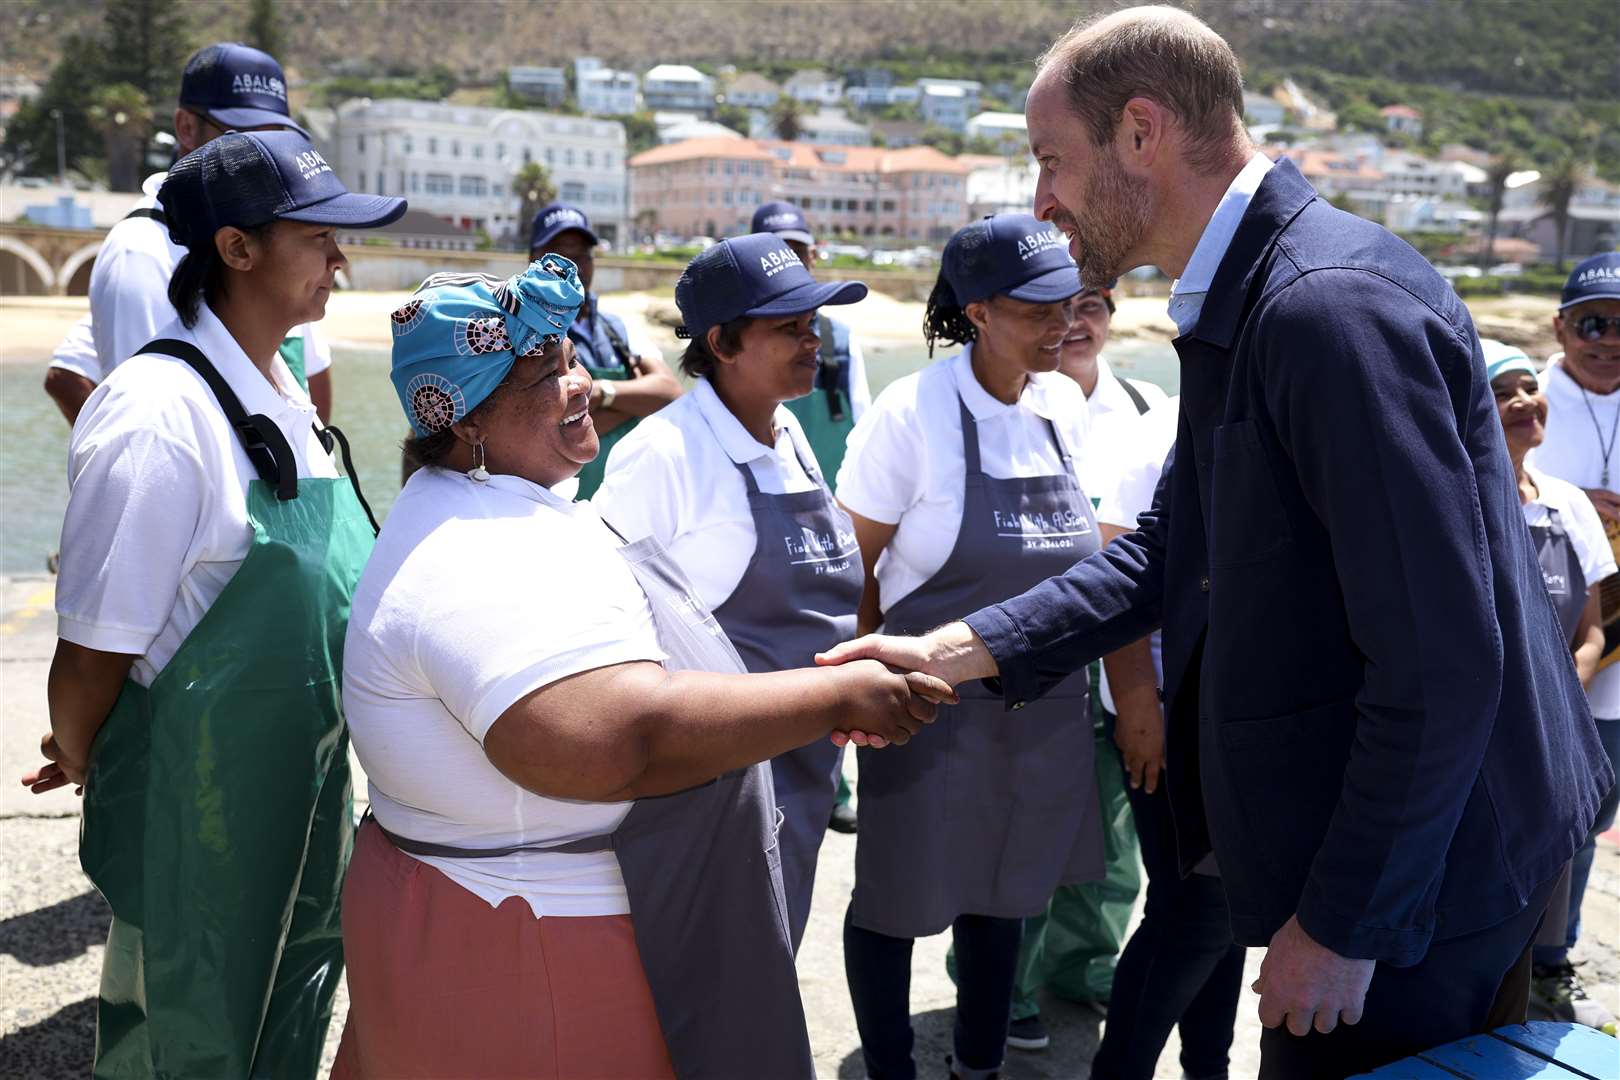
703, 872
1566, 585
797, 597
1561, 571
985, 812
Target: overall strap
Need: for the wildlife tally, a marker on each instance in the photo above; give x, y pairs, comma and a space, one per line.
586, 846
1134, 394
811, 468
970, 439
151, 212
267, 448
330, 434
620, 347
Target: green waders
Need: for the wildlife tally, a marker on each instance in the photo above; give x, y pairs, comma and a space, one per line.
217, 814
1071, 950
292, 354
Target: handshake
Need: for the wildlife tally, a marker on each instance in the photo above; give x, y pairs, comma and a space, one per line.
898, 683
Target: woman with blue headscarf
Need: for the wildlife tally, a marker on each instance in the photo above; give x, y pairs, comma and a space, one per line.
573, 867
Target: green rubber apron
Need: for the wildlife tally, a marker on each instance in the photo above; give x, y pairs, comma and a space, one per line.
217, 814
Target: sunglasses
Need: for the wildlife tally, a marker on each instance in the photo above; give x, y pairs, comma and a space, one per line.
1593, 327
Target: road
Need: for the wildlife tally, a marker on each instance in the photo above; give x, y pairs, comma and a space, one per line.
53, 925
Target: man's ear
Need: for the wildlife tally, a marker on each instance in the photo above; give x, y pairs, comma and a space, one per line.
1143, 131
236, 249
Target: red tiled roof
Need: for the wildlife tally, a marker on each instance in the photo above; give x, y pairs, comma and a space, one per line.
796, 155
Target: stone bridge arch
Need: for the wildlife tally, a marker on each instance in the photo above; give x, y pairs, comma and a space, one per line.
67, 275
13, 281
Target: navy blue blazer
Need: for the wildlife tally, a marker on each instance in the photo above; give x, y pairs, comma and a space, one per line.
1374, 718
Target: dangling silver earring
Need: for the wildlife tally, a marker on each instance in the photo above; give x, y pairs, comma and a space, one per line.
478, 473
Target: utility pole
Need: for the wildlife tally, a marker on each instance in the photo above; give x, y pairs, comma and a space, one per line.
61, 149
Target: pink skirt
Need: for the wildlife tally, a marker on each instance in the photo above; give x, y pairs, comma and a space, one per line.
442, 985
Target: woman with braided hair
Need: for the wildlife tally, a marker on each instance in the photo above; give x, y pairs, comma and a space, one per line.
962, 485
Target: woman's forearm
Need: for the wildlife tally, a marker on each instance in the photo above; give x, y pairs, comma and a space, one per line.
82, 688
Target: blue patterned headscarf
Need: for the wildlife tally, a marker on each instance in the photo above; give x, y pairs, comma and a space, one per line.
455, 340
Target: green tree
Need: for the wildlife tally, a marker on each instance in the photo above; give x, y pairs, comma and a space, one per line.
147, 44
640, 132
1560, 182
29, 148
734, 117
263, 29
122, 114
533, 186
786, 118
1501, 167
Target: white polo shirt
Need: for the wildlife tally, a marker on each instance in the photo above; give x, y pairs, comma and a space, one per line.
156, 520
675, 478
77, 352
129, 296
1109, 397
905, 467
1579, 424
459, 614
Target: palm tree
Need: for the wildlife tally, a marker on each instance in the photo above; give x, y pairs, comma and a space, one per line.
533, 186
1560, 183
785, 119
1502, 166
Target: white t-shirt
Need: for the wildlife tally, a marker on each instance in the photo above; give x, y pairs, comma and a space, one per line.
675, 478
77, 352
905, 466
1136, 474
1573, 451
461, 612
156, 521
1109, 398
129, 296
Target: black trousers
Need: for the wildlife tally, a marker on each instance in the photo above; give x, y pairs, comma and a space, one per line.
1463, 986
1180, 967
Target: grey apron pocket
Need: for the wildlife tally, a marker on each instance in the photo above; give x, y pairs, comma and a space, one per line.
1247, 519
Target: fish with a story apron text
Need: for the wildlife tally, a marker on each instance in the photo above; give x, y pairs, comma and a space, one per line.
217, 814
986, 811
702, 869
797, 597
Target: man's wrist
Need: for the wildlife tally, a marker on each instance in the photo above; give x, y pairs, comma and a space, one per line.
960, 655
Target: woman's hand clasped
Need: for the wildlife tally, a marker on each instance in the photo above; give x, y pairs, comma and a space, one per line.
58, 771
891, 706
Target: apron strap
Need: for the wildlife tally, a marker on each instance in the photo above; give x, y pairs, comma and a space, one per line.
589, 845
330, 434
151, 212
808, 465
1057, 440
970, 439
267, 448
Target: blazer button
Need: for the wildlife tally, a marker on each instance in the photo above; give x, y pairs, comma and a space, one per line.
1017, 705
1203, 584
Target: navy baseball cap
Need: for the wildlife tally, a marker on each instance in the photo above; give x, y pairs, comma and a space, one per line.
557, 218
1011, 255
784, 219
1598, 278
755, 275
251, 178
237, 85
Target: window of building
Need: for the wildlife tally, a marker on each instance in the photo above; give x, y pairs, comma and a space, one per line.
500, 151
440, 184
360, 142
590, 159
402, 181
573, 191
478, 151
568, 157
551, 156
888, 206
433, 147
416, 182
406, 145
474, 185
728, 196
455, 147
869, 205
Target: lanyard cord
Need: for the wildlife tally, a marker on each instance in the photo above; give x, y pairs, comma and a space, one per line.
1613, 429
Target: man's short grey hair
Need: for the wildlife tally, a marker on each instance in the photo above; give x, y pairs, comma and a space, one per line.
1160, 53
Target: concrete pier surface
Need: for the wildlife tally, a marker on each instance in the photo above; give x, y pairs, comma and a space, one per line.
53, 924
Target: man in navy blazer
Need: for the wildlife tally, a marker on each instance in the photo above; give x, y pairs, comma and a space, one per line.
1374, 725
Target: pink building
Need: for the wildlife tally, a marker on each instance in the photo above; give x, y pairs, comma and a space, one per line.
710, 187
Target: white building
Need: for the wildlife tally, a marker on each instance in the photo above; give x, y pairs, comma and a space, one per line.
602, 91
751, 90
1413, 175
948, 102
833, 127
878, 97
1402, 120
674, 127
815, 87
547, 85
678, 88
457, 162
1000, 185
1007, 131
